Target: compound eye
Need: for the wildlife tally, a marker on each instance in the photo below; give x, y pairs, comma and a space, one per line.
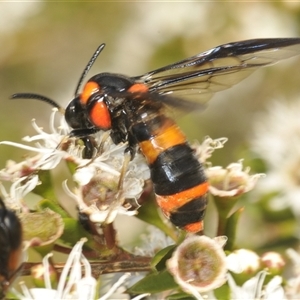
76, 115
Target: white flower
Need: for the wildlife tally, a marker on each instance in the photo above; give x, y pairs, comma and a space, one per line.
104, 183
20, 188
254, 288
208, 146
48, 149
100, 193
243, 261
75, 282
153, 241
109, 164
72, 284
103, 212
292, 287
230, 181
118, 289
277, 142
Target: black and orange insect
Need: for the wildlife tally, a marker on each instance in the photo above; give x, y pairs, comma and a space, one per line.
11, 251
132, 108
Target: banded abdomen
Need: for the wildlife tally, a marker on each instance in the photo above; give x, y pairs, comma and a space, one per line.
178, 177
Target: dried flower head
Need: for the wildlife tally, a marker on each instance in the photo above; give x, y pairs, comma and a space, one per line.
199, 264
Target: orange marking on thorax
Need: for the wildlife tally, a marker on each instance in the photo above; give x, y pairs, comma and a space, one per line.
100, 116
169, 203
138, 88
90, 88
163, 139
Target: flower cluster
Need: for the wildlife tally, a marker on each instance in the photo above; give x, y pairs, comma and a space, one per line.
75, 282
98, 187
277, 142
108, 185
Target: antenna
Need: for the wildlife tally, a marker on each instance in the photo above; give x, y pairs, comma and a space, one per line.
38, 97
88, 67
52, 102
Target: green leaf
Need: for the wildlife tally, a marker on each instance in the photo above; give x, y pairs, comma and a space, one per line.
45, 189
231, 228
54, 206
73, 232
154, 283
11, 296
274, 215
181, 296
148, 213
223, 292
71, 166
159, 260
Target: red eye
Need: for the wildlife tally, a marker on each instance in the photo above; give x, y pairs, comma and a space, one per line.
89, 89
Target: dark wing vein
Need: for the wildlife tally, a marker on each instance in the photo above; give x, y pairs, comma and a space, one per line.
197, 78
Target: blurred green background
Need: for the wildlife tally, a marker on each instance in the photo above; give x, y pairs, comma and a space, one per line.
46, 45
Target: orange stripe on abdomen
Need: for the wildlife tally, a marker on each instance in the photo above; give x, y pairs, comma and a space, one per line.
163, 138
170, 203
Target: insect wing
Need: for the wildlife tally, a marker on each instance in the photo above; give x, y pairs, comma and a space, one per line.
197, 78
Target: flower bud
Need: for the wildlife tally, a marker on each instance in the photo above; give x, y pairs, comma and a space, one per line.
38, 275
243, 261
273, 261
